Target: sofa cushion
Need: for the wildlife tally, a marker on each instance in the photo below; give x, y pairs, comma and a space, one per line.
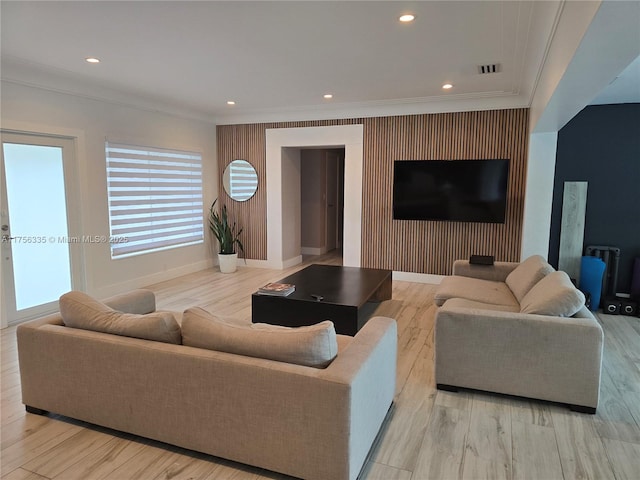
553, 295
313, 346
79, 310
464, 303
475, 289
526, 275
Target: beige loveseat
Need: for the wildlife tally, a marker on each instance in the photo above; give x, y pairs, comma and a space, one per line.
312, 423
518, 329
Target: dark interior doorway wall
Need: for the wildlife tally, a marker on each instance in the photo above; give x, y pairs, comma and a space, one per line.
601, 146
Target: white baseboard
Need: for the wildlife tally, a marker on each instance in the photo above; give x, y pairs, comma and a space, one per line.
147, 280
313, 250
400, 276
418, 277
292, 262
256, 264
196, 267
271, 264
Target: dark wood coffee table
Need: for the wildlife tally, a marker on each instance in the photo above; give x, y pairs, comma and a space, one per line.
345, 292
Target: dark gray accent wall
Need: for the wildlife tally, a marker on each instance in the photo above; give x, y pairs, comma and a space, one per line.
601, 145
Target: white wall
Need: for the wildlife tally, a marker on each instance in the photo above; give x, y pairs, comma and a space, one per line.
291, 232
539, 194
91, 122
593, 43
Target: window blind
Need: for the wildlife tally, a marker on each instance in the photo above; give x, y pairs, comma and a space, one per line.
155, 198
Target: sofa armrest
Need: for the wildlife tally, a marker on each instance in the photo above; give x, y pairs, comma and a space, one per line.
550, 358
378, 338
368, 365
497, 272
137, 301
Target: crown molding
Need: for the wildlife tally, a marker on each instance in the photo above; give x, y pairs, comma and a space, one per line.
490, 101
20, 72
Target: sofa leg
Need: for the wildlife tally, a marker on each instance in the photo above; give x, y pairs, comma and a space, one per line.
446, 388
35, 411
582, 409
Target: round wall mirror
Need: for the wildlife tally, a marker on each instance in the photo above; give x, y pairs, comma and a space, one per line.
240, 180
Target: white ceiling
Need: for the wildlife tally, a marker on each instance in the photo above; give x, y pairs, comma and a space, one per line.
281, 57
625, 88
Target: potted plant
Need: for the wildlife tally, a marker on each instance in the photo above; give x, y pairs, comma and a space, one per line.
228, 237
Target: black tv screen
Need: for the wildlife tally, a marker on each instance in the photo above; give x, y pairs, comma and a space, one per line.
450, 190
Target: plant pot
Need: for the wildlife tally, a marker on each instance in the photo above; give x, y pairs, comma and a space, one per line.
228, 262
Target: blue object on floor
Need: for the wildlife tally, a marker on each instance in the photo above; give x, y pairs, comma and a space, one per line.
591, 271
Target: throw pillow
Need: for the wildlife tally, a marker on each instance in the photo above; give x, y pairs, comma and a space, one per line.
313, 346
79, 310
526, 275
553, 295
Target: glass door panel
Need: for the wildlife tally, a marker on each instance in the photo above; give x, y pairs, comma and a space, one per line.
35, 250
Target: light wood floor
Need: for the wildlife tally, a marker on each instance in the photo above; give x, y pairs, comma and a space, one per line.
429, 435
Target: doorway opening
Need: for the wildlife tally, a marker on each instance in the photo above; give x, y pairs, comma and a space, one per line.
283, 146
322, 202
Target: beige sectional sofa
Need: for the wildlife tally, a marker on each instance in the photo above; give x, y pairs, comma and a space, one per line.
312, 423
518, 329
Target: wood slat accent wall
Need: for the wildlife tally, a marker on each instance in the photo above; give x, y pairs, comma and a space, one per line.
402, 245
248, 142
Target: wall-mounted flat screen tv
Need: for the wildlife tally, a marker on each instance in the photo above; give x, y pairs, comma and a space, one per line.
451, 190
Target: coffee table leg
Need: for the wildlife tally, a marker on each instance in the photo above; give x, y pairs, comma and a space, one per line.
383, 292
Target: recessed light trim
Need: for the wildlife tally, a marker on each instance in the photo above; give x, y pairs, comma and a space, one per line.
327, 96
230, 102
447, 86
92, 60
407, 17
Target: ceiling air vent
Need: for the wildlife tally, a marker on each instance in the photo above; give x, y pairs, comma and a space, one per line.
489, 68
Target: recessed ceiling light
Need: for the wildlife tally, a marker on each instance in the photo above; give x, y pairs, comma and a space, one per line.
92, 60
447, 86
231, 102
328, 96
407, 18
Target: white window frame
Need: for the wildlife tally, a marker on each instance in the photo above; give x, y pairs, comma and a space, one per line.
155, 198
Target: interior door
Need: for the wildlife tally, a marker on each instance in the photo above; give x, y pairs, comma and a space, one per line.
332, 199
36, 259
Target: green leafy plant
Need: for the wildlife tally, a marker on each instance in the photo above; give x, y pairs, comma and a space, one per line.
227, 234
